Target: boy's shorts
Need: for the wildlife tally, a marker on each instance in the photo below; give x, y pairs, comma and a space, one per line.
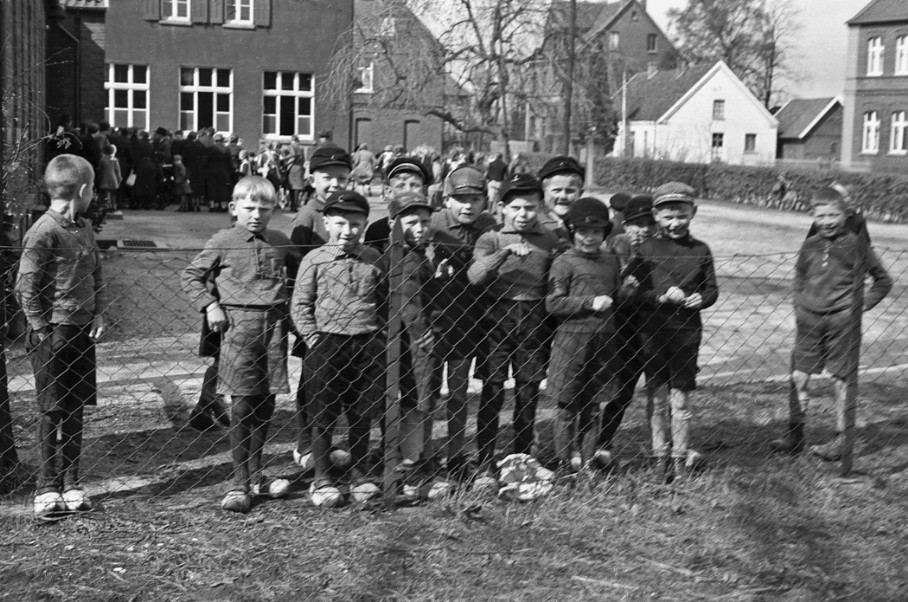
671, 358
64, 365
345, 373
832, 341
518, 337
253, 358
580, 368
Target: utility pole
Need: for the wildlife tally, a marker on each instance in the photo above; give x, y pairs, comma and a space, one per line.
569, 81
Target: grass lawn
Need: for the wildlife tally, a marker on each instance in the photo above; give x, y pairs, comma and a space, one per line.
751, 527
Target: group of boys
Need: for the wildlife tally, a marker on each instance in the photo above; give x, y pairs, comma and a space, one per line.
551, 291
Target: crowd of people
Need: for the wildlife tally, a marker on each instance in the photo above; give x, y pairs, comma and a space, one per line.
553, 285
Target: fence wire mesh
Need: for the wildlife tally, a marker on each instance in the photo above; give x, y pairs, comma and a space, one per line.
145, 436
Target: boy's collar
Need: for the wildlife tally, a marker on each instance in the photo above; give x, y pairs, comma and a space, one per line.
246, 234
64, 220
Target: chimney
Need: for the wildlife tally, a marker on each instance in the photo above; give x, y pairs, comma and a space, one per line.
642, 4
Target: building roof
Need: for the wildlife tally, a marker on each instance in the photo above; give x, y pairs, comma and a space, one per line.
607, 16
881, 11
650, 97
587, 14
799, 116
84, 4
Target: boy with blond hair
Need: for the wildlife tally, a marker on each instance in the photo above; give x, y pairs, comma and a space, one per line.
61, 291
250, 267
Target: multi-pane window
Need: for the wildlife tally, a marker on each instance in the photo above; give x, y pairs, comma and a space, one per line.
750, 143
651, 42
870, 142
287, 104
175, 10
875, 56
127, 95
718, 145
206, 98
365, 76
718, 110
901, 55
239, 12
897, 133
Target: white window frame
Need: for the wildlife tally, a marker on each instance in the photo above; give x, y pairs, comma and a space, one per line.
614, 40
901, 55
875, 56
195, 88
719, 110
747, 137
870, 138
239, 6
897, 131
111, 87
175, 16
717, 151
295, 94
654, 47
367, 79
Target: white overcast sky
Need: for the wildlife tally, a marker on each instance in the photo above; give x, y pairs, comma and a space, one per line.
820, 44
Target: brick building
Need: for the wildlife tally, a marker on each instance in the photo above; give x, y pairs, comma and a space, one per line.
875, 129
251, 67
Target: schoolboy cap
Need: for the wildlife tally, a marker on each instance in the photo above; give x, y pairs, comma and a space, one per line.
329, 155
561, 165
638, 207
465, 180
407, 200
673, 192
408, 165
346, 200
587, 211
619, 201
519, 183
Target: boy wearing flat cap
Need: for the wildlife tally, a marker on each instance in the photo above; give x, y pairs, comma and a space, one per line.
404, 174
583, 291
512, 264
676, 281
335, 309
562, 184
461, 306
329, 170
638, 224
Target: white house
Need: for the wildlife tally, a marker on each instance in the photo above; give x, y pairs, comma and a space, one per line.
697, 114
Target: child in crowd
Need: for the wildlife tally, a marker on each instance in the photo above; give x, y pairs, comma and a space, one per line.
329, 171
181, 187
250, 267
460, 306
618, 204
562, 184
677, 280
638, 224
404, 174
512, 264
829, 301
583, 291
109, 178
61, 291
336, 310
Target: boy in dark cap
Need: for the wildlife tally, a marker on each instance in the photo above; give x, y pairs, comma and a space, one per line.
404, 174
513, 263
583, 291
618, 202
562, 184
458, 324
329, 170
638, 225
677, 280
335, 309
829, 301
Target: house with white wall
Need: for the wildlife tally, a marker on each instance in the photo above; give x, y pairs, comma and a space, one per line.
696, 114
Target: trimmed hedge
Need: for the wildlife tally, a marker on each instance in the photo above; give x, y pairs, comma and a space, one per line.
881, 197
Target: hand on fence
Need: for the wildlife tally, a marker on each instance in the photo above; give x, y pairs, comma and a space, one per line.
217, 319
673, 295
694, 301
602, 303
520, 249
97, 328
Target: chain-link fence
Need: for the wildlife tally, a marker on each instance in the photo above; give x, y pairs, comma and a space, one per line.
149, 435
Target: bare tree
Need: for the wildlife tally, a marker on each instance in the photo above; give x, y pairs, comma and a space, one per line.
463, 61
754, 37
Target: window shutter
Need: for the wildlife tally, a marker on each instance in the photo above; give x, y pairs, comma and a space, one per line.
218, 8
199, 11
152, 10
262, 13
